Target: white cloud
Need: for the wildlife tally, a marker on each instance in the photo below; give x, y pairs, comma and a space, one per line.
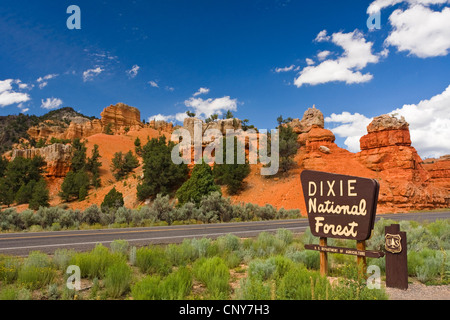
322, 55
168, 88
51, 103
160, 117
379, 5
285, 69
89, 74
420, 31
22, 108
417, 29
202, 108
429, 125
346, 68
205, 108
23, 86
153, 84
201, 91
133, 71
309, 61
5, 85
169, 118
8, 96
353, 127
43, 81
384, 53
322, 36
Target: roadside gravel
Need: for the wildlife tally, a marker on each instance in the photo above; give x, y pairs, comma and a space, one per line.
419, 291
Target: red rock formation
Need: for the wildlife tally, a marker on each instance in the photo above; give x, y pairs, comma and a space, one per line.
83, 130
405, 184
46, 132
386, 155
161, 125
120, 116
57, 156
311, 118
439, 171
318, 137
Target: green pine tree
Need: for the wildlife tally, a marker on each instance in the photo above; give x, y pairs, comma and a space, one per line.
288, 147
122, 165
3, 165
200, 184
40, 196
113, 200
93, 166
78, 156
231, 175
6, 193
138, 146
25, 192
75, 185
161, 175
19, 178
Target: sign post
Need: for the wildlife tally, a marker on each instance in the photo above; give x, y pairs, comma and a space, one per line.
361, 260
342, 207
323, 257
396, 257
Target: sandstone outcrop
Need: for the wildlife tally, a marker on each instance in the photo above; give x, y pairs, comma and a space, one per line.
83, 130
116, 117
405, 183
387, 146
311, 118
161, 125
222, 125
80, 129
439, 171
121, 115
57, 156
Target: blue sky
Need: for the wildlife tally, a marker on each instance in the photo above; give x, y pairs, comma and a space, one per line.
261, 58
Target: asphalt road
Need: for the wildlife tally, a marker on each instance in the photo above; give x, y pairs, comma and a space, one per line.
82, 240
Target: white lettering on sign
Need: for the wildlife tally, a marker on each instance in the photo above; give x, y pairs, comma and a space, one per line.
329, 207
339, 230
329, 188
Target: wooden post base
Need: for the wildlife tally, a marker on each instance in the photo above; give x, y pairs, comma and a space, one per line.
361, 261
323, 258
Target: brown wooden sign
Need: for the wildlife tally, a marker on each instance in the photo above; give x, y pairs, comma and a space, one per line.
340, 206
350, 251
396, 257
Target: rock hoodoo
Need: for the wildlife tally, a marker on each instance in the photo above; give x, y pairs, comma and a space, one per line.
120, 116
386, 155
387, 146
405, 183
312, 118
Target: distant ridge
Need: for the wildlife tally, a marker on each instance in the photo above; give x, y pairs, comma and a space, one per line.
14, 127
